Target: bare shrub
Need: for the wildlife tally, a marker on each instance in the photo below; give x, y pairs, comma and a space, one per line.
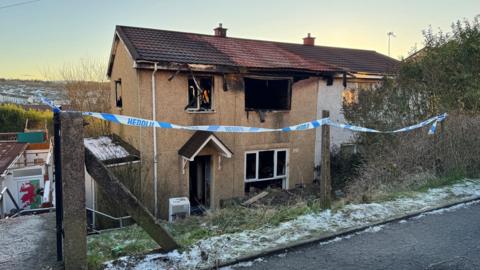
87, 88
410, 160
443, 77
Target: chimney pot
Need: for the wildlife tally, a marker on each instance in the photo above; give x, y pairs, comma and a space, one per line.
220, 31
309, 40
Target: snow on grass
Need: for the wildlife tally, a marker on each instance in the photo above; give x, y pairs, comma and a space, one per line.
208, 252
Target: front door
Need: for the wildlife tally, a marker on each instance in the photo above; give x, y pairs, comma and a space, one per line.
200, 182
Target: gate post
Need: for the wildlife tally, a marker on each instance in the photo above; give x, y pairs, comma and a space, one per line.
58, 185
73, 178
325, 177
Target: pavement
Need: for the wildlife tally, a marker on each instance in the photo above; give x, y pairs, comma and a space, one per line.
28, 242
442, 240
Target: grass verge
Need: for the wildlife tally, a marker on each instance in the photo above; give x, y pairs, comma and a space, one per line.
234, 218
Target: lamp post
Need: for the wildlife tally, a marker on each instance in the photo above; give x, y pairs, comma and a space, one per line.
390, 34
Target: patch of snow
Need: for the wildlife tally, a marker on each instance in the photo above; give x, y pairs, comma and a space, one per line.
374, 229
207, 252
104, 149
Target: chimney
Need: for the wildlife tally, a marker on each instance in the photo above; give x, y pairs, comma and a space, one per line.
309, 40
220, 31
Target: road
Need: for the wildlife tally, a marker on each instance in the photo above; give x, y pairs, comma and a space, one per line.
448, 240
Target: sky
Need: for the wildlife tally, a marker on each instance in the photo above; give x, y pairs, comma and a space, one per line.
45, 35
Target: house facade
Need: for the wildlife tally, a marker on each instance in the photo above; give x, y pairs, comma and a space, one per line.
193, 79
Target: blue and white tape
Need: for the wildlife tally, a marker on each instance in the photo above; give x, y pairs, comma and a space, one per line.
139, 122
50, 103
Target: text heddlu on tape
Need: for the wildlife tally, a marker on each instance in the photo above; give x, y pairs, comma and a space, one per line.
139, 122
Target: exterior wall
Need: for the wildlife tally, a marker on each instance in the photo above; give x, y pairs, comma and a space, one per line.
229, 109
123, 70
331, 98
228, 180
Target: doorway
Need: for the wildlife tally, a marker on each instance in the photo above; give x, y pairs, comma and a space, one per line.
200, 183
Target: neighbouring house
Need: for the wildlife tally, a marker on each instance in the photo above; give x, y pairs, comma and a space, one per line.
26, 169
363, 70
196, 79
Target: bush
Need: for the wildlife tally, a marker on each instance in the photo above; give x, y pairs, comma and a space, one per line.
344, 168
13, 117
442, 77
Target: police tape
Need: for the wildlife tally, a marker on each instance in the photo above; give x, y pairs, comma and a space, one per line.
140, 122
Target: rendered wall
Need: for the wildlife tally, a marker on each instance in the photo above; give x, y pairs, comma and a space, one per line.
228, 180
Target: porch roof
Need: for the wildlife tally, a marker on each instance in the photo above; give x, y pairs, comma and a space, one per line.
198, 141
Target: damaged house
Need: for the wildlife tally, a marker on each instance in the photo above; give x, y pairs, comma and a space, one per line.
196, 79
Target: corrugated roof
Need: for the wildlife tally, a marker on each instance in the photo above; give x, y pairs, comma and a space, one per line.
111, 150
189, 48
9, 151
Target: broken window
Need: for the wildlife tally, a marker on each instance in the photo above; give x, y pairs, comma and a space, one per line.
350, 96
251, 166
281, 163
267, 94
200, 94
118, 93
265, 164
268, 167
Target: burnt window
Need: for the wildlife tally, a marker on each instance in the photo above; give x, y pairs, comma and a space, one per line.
265, 168
267, 94
251, 166
118, 93
200, 91
266, 165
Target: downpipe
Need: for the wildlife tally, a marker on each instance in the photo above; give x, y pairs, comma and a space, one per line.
155, 160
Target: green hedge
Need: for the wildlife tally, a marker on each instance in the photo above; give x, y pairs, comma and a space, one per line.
13, 117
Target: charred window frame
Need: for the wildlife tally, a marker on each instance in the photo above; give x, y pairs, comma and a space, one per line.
118, 93
200, 94
266, 166
268, 93
350, 96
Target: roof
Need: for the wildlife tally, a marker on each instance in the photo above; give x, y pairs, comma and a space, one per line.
154, 45
9, 151
111, 150
198, 141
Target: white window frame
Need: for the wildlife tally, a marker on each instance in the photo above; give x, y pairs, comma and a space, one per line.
257, 161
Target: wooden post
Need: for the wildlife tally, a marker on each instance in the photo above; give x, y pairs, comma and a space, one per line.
127, 201
73, 179
325, 177
437, 137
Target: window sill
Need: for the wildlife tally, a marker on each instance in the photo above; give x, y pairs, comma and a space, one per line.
265, 179
194, 112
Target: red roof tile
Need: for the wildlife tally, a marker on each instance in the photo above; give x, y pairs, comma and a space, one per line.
189, 48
